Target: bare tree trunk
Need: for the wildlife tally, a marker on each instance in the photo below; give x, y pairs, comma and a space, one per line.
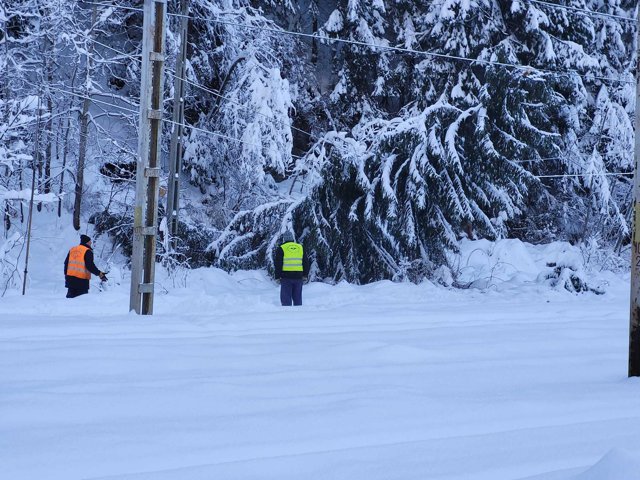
21, 185
84, 128
5, 82
65, 148
7, 219
49, 125
45, 177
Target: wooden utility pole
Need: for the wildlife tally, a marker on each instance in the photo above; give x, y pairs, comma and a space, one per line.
145, 218
634, 327
175, 150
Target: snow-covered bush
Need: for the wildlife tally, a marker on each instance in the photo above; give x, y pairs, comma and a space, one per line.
10, 249
567, 277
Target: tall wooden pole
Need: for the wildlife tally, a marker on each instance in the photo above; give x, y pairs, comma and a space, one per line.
148, 166
634, 327
175, 150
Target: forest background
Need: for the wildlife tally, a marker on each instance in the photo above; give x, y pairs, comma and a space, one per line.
381, 132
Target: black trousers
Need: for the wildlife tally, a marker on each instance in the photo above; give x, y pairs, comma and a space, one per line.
76, 292
290, 291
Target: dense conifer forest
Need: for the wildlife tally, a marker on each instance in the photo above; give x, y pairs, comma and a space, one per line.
381, 132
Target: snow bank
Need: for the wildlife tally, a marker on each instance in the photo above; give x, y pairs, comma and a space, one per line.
377, 382
618, 464
510, 263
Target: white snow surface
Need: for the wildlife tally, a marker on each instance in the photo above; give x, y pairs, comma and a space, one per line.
376, 382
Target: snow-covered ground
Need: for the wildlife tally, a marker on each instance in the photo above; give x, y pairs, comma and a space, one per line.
384, 381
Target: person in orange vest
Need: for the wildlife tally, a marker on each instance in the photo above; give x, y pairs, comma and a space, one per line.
292, 269
78, 267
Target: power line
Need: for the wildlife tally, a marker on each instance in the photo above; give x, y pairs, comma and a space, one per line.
209, 132
546, 159
217, 94
443, 56
165, 120
227, 137
408, 50
542, 159
607, 174
203, 88
121, 7
584, 11
354, 42
126, 55
95, 100
581, 11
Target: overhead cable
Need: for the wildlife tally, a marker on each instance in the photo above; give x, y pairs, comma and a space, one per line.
584, 11
390, 48
443, 56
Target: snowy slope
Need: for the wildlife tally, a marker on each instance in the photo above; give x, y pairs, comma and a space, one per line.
384, 381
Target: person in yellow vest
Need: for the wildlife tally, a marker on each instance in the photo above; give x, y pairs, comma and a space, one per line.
78, 267
292, 269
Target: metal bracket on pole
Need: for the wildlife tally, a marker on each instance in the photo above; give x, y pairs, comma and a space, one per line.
145, 231
152, 172
154, 114
145, 288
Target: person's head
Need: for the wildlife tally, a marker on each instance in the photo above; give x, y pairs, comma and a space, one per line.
287, 237
85, 240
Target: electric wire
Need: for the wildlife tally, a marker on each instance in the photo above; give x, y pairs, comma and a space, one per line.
386, 47
164, 120
121, 7
227, 137
209, 132
217, 94
581, 11
565, 175
584, 11
390, 48
442, 56
203, 88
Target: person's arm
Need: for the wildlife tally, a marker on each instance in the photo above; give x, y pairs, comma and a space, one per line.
277, 262
66, 264
305, 265
88, 261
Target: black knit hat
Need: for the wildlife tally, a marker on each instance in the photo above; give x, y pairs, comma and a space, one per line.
287, 236
84, 239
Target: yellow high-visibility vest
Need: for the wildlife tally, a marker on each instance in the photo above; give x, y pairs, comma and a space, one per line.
292, 260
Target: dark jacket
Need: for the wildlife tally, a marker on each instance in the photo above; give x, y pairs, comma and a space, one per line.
80, 283
278, 260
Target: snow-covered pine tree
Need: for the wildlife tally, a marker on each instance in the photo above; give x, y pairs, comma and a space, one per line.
432, 174
465, 153
361, 92
246, 106
580, 71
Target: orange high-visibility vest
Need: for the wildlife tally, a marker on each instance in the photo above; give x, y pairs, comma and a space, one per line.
76, 266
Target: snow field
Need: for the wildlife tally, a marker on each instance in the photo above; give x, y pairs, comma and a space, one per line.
384, 381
